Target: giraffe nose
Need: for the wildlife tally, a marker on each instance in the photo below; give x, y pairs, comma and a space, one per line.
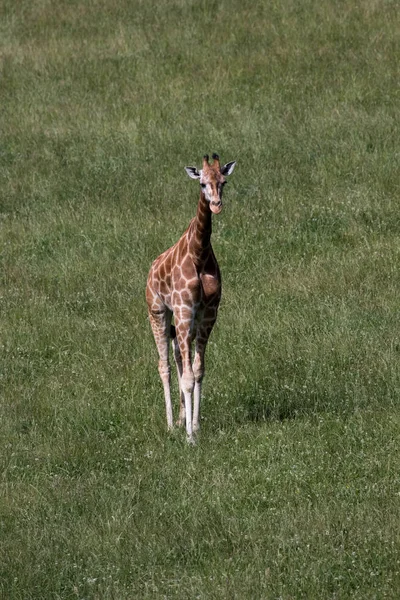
216, 207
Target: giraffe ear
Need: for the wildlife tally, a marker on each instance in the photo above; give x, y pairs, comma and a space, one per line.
228, 168
192, 172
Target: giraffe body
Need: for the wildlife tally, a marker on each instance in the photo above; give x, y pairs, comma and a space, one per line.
184, 283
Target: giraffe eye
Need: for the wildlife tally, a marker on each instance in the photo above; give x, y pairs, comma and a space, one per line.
203, 185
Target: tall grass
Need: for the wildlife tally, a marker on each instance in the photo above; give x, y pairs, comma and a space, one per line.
293, 490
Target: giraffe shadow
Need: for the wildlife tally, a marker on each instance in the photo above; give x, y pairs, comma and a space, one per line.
255, 402
255, 407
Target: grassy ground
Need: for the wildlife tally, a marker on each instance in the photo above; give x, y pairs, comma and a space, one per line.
293, 490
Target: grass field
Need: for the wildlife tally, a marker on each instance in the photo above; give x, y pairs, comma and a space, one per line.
294, 488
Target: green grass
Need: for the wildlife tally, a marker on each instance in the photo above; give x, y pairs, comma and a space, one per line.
293, 490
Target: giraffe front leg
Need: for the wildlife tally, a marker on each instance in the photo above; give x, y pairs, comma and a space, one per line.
187, 383
183, 330
165, 374
198, 372
179, 369
203, 333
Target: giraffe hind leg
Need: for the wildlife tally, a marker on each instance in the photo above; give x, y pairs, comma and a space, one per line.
161, 326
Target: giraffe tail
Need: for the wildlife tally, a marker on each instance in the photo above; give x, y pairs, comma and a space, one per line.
172, 332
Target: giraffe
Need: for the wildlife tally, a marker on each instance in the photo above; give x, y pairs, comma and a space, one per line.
184, 283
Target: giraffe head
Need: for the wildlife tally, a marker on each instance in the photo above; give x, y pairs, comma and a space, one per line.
212, 180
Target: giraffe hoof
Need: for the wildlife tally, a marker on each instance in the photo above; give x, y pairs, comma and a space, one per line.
191, 440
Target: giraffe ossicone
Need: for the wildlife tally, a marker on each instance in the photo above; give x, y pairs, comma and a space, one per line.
184, 285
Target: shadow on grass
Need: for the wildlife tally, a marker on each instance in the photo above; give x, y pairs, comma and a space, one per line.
256, 404
295, 387
258, 401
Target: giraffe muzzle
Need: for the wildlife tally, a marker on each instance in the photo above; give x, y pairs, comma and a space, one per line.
216, 207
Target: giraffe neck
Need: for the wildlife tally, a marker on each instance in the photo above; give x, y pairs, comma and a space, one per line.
200, 231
